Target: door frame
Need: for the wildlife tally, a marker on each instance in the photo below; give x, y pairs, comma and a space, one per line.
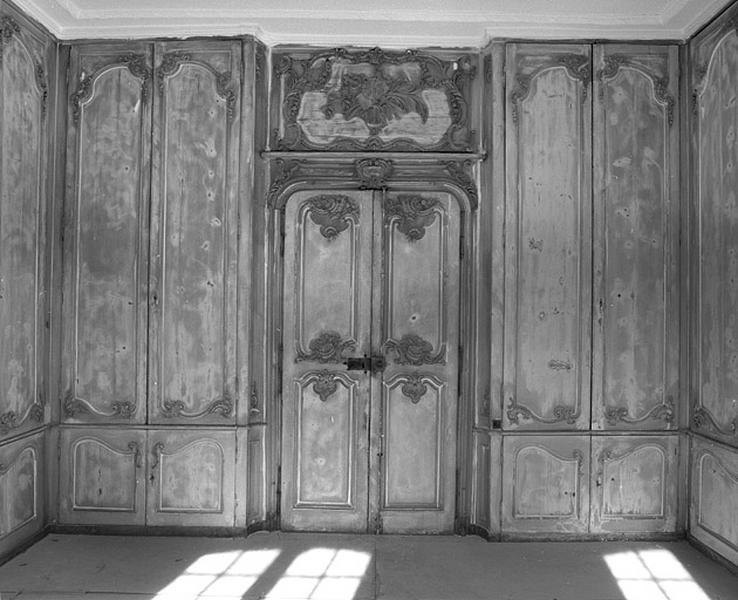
290, 173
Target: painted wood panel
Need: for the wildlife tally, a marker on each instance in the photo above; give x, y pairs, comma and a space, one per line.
546, 484
416, 310
636, 305
22, 487
714, 497
549, 228
102, 476
634, 484
23, 138
372, 100
105, 234
191, 478
194, 232
715, 160
327, 316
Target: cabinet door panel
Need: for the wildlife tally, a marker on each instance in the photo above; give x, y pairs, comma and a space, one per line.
191, 478
715, 410
21, 491
194, 229
101, 476
548, 221
23, 110
634, 484
636, 334
106, 228
547, 484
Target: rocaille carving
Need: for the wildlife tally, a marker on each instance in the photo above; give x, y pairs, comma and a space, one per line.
615, 62
577, 65
376, 97
703, 419
43, 86
373, 173
413, 213
414, 388
328, 347
325, 384
412, 349
515, 412
74, 406
177, 408
12, 420
333, 213
461, 173
8, 28
662, 412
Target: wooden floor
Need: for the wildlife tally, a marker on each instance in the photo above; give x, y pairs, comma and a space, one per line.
284, 566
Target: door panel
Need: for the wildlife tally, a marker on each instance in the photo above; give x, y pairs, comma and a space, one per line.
418, 315
327, 313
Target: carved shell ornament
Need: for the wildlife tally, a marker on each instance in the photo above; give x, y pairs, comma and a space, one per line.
325, 385
414, 350
328, 347
333, 214
413, 214
414, 388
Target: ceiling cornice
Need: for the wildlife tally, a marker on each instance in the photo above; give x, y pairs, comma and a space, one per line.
390, 27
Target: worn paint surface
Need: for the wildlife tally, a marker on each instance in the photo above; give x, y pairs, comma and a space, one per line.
18, 490
21, 185
717, 164
109, 212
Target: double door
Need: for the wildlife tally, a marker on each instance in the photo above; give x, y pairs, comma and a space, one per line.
370, 361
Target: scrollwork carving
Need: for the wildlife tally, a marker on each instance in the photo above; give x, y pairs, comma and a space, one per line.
414, 388
328, 347
373, 173
375, 95
662, 412
325, 385
177, 408
567, 414
412, 349
333, 213
703, 419
171, 62
74, 406
413, 214
8, 29
461, 173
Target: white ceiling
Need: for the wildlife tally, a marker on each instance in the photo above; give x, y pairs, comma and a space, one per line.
390, 23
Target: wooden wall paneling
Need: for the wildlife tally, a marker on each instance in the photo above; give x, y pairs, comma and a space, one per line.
102, 476
105, 233
195, 170
377, 100
548, 237
546, 484
714, 497
191, 477
714, 56
636, 238
22, 483
24, 112
487, 489
634, 484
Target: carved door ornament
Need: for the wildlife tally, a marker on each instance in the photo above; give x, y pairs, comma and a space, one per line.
325, 385
412, 349
333, 213
566, 414
414, 388
413, 212
328, 347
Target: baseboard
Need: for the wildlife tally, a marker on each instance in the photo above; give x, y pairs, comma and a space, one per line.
25, 545
592, 537
710, 553
144, 530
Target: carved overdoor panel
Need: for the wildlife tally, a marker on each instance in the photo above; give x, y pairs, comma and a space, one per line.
370, 363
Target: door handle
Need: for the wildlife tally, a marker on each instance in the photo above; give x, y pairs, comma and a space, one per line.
375, 363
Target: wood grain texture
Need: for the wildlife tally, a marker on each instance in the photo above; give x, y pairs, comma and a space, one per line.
24, 82
549, 228
194, 233
105, 235
636, 348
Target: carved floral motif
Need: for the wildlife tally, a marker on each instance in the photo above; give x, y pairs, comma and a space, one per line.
177, 408
74, 406
328, 347
515, 412
373, 173
413, 214
414, 388
414, 350
333, 213
703, 419
662, 412
325, 384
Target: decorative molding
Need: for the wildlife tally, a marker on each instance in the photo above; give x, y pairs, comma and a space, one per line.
413, 212
373, 173
333, 213
414, 350
703, 419
560, 365
662, 412
460, 172
135, 448
414, 388
515, 411
284, 172
259, 62
375, 97
10, 420
578, 67
74, 406
488, 68
328, 347
325, 385
8, 29
177, 408
43, 86
615, 62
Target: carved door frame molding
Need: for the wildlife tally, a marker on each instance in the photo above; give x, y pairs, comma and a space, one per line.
291, 173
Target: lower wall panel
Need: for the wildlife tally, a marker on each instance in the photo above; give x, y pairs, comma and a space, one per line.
22, 476
713, 511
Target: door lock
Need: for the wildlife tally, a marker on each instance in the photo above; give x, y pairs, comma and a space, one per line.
375, 363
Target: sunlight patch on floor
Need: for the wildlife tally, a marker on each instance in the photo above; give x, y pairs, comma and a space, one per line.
219, 575
653, 575
322, 574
